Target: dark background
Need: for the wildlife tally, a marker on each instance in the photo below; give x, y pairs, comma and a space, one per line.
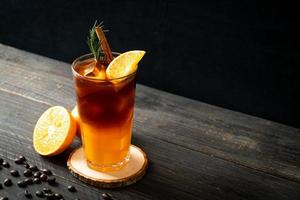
241, 55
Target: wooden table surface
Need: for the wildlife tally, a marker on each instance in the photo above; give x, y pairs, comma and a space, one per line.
196, 150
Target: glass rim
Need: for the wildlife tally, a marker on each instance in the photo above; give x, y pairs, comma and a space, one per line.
76, 74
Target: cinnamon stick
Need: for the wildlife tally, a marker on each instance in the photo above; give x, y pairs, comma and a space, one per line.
105, 46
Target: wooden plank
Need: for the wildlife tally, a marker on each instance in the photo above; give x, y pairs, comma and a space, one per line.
249, 141
175, 172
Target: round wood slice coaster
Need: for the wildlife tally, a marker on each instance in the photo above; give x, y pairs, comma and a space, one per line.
129, 174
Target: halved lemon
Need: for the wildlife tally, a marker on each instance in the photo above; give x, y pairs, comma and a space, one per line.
54, 131
125, 64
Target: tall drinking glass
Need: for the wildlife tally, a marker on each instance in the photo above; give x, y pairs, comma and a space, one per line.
105, 108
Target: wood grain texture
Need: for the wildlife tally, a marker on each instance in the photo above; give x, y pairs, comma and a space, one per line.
196, 151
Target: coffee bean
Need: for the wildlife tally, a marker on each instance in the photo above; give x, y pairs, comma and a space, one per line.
26, 165
1, 160
14, 173
37, 181
1, 187
37, 174
39, 194
22, 158
33, 168
27, 194
51, 180
18, 161
3, 198
77, 199
21, 184
50, 196
28, 181
58, 196
71, 188
44, 177
7, 182
5, 164
47, 190
27, 172
107, 196
46, 171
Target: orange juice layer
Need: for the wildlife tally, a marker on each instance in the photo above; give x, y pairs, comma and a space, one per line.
106, 145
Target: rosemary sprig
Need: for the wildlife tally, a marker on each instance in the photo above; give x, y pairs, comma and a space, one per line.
94, 43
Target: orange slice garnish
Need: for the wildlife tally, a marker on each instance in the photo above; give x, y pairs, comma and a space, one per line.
125, 64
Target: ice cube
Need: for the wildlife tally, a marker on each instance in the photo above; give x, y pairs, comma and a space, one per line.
119, 84
95, 72
88, 70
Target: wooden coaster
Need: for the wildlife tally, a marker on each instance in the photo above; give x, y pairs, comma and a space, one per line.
129, 174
